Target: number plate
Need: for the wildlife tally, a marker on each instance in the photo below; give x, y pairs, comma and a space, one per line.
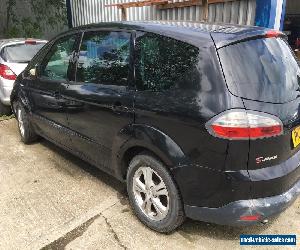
296, 136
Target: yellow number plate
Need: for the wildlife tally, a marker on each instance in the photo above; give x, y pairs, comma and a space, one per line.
296, 136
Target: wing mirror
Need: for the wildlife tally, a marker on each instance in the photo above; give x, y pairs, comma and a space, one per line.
32, 72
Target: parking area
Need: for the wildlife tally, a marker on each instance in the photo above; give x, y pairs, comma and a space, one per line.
52, 200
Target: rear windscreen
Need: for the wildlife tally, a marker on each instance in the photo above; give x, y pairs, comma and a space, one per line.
20, 53
263, 69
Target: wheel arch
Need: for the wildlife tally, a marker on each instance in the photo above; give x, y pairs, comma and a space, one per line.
19, 95
141, 138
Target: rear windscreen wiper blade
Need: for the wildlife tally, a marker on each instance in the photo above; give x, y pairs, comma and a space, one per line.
22, 61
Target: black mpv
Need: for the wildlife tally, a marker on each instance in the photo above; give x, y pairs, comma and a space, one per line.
200, 120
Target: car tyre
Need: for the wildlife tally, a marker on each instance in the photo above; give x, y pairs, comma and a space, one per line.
26, 131
153, 194
4, 109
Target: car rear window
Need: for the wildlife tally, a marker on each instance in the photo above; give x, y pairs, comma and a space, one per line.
20, 53
262, 69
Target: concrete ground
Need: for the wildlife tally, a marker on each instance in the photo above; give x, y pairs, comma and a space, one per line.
50, 199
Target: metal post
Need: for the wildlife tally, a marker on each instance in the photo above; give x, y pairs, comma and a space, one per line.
124, 14
205, 10
269, 13
69, 13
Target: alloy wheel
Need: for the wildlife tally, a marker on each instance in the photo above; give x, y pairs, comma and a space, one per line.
150, 193
21, 121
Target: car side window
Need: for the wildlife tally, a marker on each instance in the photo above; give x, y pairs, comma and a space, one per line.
163, 63
104, 58
56, 63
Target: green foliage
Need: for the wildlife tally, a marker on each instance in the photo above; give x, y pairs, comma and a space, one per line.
5, 117
30, 28
45, 14
13, 32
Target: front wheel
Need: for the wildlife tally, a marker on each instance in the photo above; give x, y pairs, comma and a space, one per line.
153, 194
26, 131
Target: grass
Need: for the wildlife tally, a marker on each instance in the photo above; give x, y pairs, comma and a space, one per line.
5, 117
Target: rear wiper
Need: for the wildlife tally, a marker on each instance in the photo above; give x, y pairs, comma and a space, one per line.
23, 61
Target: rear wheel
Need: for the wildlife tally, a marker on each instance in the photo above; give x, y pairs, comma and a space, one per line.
4, 109
153, 194
26, 131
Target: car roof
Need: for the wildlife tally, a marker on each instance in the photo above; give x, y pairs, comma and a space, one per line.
222, 34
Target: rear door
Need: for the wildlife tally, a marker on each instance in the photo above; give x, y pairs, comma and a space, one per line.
46, 90
101, 96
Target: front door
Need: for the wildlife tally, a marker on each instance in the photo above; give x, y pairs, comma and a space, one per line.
46, 91
101, 95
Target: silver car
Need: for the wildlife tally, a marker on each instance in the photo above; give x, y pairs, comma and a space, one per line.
14, 57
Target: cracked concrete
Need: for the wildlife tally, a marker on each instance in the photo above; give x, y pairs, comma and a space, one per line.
111, 229
52, 200
70, 236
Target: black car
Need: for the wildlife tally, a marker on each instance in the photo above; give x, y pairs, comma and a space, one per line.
200, 120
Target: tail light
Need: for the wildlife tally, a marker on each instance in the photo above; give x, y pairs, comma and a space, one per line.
273, 33
7, 73
242, 124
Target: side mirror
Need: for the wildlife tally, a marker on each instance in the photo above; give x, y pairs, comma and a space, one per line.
32, 72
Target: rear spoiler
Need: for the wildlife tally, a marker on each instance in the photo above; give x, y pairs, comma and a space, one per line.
225, 39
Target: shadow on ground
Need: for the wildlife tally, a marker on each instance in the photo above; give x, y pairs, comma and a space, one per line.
190, 230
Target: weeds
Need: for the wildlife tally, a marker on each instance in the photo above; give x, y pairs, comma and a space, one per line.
5, 117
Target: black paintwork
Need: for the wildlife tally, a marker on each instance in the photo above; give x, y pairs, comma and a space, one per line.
105, 125
230, 213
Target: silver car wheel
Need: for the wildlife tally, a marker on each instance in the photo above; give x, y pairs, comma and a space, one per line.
21, 121
150, 193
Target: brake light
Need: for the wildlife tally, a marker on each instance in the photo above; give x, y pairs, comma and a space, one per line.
241, 124
7, 73
31, 42
273, 33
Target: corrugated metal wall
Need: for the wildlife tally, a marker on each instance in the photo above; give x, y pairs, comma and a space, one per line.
93, 11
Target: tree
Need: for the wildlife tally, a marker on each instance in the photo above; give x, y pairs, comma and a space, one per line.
44, 14
10, 16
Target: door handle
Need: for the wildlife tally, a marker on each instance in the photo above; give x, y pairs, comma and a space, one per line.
118, 107
57, 95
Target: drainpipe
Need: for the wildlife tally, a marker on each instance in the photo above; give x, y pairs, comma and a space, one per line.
270, 13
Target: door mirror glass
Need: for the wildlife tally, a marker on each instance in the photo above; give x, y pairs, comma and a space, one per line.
32, 72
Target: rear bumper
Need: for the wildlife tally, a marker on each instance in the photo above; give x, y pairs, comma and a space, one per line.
6, 87
230, 214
